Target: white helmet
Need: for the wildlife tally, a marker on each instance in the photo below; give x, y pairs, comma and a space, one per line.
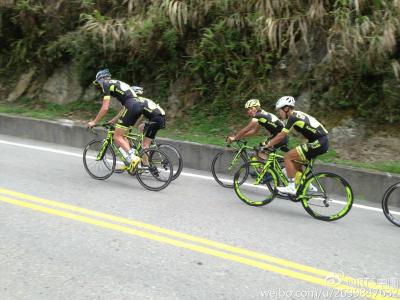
285, 101
137, 89
252, 103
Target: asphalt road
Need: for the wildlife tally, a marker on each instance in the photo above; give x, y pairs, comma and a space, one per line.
65, 235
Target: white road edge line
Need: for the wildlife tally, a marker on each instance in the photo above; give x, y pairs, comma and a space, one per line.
183, 173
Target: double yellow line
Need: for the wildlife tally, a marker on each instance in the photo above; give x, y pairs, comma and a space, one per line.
349, 285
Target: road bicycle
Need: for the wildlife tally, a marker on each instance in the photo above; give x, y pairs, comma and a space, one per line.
100, 161
175, 157
226, 162
325, 196
391, 204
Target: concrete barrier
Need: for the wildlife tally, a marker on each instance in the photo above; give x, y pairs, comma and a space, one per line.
367, 185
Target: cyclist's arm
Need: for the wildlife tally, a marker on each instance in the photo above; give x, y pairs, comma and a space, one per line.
248, 130
102, 112
252, 131
277, 139
117, 116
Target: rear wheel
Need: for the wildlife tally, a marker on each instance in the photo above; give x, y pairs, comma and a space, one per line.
326, 196
254, 190
158, 174
99, 159
174, 156
223, 168
391, 204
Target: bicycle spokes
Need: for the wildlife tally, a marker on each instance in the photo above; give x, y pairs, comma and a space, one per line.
254, 189
99, 160
326, 196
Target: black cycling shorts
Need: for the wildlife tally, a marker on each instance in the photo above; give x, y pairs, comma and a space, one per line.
153, 125
133, 110
313, 149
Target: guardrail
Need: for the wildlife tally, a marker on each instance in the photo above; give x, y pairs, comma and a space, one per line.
367, 185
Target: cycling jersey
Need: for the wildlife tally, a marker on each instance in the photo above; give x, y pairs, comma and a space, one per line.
306, 125
117, 89
150, 108
269, 121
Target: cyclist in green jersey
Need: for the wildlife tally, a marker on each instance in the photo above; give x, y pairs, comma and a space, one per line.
260, 118
130, 112
311, 129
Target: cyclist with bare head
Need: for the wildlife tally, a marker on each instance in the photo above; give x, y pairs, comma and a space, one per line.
260, 118
311, 129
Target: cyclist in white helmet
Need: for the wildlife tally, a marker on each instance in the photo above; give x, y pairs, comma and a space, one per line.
260, 118
311, 129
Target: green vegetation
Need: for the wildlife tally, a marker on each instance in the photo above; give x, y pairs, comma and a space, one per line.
391, 167
344, 53
46, 110
212, 55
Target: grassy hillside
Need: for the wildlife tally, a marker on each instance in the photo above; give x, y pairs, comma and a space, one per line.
214, 54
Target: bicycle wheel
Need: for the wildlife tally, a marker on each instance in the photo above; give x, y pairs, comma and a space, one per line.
174, 156
158, 174
99, 159
391, 204
250, 189
326, 196
223, 168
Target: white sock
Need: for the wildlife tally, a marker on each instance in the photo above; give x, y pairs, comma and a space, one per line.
292, 184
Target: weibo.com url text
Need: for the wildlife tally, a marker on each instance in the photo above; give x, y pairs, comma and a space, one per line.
321, 294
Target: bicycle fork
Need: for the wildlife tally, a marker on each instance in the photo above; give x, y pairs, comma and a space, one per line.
307, 171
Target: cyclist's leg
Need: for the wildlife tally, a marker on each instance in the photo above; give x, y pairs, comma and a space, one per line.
150, 132
292, 167
309, 151
128, 118
120, 131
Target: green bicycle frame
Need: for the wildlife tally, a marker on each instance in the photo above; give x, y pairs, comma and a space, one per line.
240, 148
307, 171
271, 163
109, 141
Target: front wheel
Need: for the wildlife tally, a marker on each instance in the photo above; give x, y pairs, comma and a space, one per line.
326, 196
99, 159
254, 189
391, 204
158, 174
224, 167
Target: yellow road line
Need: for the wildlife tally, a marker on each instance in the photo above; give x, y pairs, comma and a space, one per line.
336, 277
196, 248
